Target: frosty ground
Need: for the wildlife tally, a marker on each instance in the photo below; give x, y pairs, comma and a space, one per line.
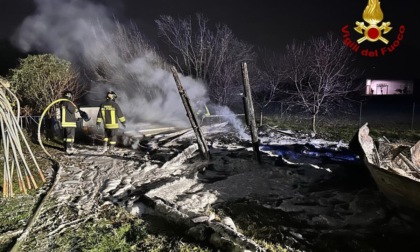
309, 194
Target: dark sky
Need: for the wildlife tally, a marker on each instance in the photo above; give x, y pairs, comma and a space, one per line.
270, 24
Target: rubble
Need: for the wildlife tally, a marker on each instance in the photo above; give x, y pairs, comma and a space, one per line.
171, 181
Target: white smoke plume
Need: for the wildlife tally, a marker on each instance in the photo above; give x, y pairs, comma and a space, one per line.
83, 31
227, 115
65, 28
76, 29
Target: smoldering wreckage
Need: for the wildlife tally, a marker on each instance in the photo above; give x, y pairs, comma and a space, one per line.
318, 193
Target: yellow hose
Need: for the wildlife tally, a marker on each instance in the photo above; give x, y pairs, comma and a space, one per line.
42, 117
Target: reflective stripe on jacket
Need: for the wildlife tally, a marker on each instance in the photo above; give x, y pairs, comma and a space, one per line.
68, 117
109, 113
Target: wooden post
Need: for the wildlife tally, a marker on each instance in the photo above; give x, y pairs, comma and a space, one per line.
244, 101
202, 145
249, 109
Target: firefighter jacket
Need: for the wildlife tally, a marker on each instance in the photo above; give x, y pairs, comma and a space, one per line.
109, 113
68, 117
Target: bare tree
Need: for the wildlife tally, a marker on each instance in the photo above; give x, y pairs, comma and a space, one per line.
323, 75
269, 84
193, 46
213, 56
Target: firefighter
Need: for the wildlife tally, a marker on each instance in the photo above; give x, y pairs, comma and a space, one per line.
109, 114
68, 122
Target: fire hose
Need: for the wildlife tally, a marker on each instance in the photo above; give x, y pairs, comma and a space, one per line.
12, 137
42, 199
83, 114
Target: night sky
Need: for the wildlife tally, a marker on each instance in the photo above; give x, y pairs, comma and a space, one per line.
270, 24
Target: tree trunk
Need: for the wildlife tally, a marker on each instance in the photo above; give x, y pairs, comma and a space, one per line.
314, 117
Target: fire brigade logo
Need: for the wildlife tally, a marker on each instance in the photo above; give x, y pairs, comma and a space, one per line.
373, 16
373, 29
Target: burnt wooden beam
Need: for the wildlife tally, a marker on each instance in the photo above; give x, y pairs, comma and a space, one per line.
201, 141
250, 114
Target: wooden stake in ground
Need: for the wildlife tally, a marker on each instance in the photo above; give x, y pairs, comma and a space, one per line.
201, 141
250, 114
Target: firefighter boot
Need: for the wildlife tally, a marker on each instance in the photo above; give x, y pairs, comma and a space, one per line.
69, 148
72, 149
111, 148
105, 147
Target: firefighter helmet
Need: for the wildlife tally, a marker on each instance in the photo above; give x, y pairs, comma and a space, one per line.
111, 96
68, 95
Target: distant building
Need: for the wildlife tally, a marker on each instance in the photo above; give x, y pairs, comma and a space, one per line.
389, 87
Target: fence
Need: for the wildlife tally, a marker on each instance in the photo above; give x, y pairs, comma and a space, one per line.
394, 112
391, 112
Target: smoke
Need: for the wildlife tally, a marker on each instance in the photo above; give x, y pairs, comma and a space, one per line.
227, 115
86, 34
64, 27
135, 144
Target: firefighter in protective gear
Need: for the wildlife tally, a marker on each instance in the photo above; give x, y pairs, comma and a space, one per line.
109, 114
68, 122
